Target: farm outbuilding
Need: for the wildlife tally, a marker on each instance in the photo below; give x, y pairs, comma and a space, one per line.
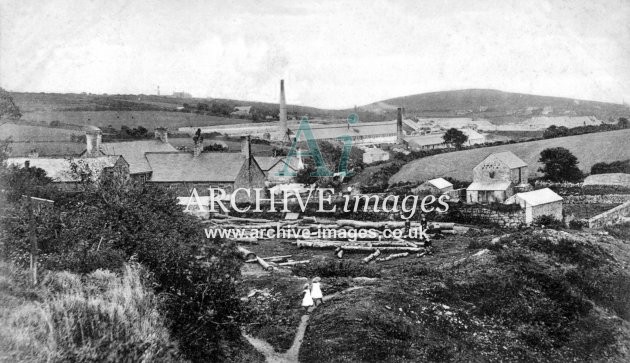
538, 203
495, 177
436, 186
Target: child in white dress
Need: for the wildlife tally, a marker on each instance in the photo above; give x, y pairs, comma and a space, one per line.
307, 301
316, 291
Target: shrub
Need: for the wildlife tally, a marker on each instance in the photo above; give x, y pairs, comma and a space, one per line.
548, 221
335, 268
577, 224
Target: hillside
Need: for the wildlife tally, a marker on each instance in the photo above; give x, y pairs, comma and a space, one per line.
588, 148
146, 110
495, 104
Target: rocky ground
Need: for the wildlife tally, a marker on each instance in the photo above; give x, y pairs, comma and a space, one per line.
488, 295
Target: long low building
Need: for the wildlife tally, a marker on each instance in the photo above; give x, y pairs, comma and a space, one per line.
362, 133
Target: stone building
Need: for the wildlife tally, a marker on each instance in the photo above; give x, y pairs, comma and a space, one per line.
538, 203
185, 171
497, 178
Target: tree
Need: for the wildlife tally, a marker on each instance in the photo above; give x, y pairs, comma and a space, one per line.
623, 123
555, 131
613, 167
559, 165
455, 137
8, 109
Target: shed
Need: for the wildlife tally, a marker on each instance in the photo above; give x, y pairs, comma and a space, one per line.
488, 192
435, 186
539, 203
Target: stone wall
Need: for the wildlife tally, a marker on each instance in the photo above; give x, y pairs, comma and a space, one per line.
612, 216
467, 213
602, 198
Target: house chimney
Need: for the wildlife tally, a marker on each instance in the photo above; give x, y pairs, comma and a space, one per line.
283, 112
93, 140
27, 164
399, 130
198, 143
162, 134
246, 148
198, 148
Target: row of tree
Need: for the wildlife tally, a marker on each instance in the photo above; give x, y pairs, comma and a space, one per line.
560, 131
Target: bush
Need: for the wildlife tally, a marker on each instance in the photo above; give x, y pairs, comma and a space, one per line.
335, 268
577, 224
548, 222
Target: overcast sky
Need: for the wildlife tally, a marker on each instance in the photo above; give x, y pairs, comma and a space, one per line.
332, 54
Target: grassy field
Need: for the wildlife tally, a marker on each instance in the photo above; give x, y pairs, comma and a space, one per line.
589, 149
147, 119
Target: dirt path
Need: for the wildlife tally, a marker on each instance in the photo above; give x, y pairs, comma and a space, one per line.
291, 355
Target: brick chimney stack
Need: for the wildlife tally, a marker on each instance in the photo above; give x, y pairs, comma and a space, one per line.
399, 128
162, 134
283, 113
93, 141
198, 143
246, 147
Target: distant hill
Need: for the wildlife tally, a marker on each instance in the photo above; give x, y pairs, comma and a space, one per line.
588, 148
493, 104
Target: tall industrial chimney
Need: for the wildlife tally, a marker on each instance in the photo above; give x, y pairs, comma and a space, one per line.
399, 127
283, 112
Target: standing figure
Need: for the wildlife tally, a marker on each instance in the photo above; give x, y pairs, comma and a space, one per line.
307, 301
316, 291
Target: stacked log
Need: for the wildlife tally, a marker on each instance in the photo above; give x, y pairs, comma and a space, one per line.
372, 256
393, 256
246, 254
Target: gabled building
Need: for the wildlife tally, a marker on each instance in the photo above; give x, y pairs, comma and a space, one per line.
68, 173
135, 152
185, 171
242, 111
542, 202
496, 177
436, 186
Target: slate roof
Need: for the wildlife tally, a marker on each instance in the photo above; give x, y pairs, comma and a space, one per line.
440, 183
134, 152
425, 140
489, 186
177, 167
538, 197
59, 169
331, 131
507, 157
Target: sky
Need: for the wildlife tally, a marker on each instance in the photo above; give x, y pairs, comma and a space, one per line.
332, 54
